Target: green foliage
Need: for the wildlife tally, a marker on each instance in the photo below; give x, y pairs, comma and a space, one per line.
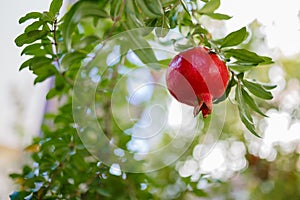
58, 46
234, 38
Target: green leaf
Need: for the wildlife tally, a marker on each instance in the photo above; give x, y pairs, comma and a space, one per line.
251, 103
132, 21
43, 76
48, 17
235, 38
244, 112
43, 72
59, 83
72, 58
142, 49
231, 83
34, 49
25, 64
200, 193
165, 62
86, 41
52, 93
34, 26
163, 27
218, 16
243, 55
150, 8
200, 30
55, 6
257, 89
269, 87
104, 192
80, 10
210, 6
31, 15
38, 62
155, 6
15, 175
30, 37
185, 6
182, 47
19, 195
248, 125
115, 8
242, 67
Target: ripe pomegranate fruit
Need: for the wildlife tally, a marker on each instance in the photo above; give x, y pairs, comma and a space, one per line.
196, 77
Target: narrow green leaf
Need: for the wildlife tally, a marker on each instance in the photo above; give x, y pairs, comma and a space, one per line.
163, 27
242, 67
72, 58
141, 48
155, 6
59, 83
267, 60
151, 9
124, 48
199, 30
15, 175
115, 8
251, 103
27, 38
38, 62
44, 71
52, 93
210, 6
145, 10
34, 49
132, 21
243, 55
104, 192
31, 15
55, 6
185, 6
257, 89
186, 20
165, 62
80, 10
86, 41
218, 16
25, 64
146, 55
231, 83
200, 193
269, 87
19, 195
43, 76
48, 17
182, 47
235, 38
34, 26
244, 112
248, 125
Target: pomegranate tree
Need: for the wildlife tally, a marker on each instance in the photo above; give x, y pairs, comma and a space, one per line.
196, 77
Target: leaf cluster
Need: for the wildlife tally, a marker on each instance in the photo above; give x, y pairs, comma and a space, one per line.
59, 45
240, 61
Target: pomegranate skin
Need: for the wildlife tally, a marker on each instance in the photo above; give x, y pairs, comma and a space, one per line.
196, 77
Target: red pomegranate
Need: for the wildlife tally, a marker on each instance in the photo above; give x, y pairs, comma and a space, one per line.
196, 77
